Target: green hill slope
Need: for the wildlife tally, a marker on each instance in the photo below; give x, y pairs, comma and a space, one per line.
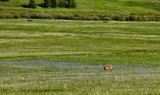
89, 10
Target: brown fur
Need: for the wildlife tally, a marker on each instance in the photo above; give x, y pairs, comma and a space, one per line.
107, 68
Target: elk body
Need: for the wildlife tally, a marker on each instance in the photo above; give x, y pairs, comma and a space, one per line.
107, 68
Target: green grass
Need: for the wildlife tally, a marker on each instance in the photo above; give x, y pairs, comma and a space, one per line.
90, 10
133, 43
58, 57
43, 78
101, 5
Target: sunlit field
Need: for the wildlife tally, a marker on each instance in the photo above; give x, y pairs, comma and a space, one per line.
132, 43
58, 57
50, 78
119, 10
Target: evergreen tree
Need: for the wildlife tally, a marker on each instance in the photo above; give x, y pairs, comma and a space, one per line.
63, 3
71, 3
4, 0
53, 3
32, 4
47, 3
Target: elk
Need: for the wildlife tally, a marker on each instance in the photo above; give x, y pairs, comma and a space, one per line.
107, 68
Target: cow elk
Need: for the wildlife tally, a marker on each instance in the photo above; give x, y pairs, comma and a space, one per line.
107, 68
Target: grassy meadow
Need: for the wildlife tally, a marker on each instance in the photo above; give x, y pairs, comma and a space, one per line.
59, 57
135, 43
43, 56
50, 78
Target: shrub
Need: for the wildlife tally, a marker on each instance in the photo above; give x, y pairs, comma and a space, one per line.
67, 3
63, 3
32, 4
53, 3
71, 3
46, 3
4, 0
107, 18
58, 3
132, 18
118, 17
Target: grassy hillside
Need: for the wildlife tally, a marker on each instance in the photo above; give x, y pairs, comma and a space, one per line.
90, 9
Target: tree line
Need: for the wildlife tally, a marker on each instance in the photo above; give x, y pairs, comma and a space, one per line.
50, 3
4, 0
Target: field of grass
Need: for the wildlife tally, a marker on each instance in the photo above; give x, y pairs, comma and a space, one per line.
89, 10
58, 57
50, 78
135, 43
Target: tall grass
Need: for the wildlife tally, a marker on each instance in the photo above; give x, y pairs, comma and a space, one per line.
58, 57
44, 78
